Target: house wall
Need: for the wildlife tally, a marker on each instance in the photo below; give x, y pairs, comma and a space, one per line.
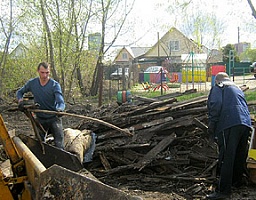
121, 58
162, 48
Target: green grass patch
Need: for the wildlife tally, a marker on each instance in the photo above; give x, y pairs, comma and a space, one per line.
148, 94
250, 95
191, 96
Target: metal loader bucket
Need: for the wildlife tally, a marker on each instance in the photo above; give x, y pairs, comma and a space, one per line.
60, 183
52, 155
57, 182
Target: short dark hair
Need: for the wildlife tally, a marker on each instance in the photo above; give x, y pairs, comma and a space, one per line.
44, 65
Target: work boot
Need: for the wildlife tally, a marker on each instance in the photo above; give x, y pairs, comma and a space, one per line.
217, 195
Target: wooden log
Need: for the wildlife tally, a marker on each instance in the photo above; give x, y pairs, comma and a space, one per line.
126, 131
150, 107
150, 123
144, 99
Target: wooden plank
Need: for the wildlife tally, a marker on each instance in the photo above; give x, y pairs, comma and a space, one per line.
147, 159
200, 124
151, 123
144, 99
150, 107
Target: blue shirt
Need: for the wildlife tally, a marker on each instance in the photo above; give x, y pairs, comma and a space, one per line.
49, 96
227, 107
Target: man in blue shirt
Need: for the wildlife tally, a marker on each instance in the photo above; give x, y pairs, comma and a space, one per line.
48, 95
230, 123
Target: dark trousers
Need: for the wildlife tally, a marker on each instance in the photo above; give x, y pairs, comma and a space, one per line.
233, 151
54, 127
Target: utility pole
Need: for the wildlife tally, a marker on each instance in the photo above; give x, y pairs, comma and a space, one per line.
158, 50
238, 35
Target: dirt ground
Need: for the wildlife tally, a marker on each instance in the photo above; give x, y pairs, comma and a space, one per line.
151, 190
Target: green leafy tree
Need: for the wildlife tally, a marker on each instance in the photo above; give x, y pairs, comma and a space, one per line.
56, 31
226, 52
249, 54
59, 36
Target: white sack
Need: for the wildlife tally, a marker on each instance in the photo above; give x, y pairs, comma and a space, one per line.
77, 142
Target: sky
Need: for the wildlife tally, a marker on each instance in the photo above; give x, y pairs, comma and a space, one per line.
151, 17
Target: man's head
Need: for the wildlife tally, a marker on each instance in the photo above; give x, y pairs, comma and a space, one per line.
43, 71
222, 76
222, 79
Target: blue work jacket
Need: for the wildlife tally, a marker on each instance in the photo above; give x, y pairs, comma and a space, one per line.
49, 96
227, 107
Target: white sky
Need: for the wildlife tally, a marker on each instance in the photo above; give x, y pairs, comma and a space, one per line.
148, 19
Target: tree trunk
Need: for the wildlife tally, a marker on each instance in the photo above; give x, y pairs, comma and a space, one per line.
49, 37
80, 81
100, 84
6, 49
95, 80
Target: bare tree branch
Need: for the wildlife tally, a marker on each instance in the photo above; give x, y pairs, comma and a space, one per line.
252, 8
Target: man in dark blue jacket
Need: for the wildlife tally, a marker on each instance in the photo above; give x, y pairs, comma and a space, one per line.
48, 94
229, 122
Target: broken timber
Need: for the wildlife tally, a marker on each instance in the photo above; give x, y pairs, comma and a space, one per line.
153, 152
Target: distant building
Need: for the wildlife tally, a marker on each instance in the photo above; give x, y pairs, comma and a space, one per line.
19, 52
174, 51
128, 54
124, 56
241, 47
94, 41
170, 48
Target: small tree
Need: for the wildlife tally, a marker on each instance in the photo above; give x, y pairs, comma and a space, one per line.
249, 54
111, 12
226, 50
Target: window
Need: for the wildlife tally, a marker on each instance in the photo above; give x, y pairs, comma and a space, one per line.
124, 56
174, 46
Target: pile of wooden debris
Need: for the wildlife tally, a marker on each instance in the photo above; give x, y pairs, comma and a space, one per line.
168, 146
165, 147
